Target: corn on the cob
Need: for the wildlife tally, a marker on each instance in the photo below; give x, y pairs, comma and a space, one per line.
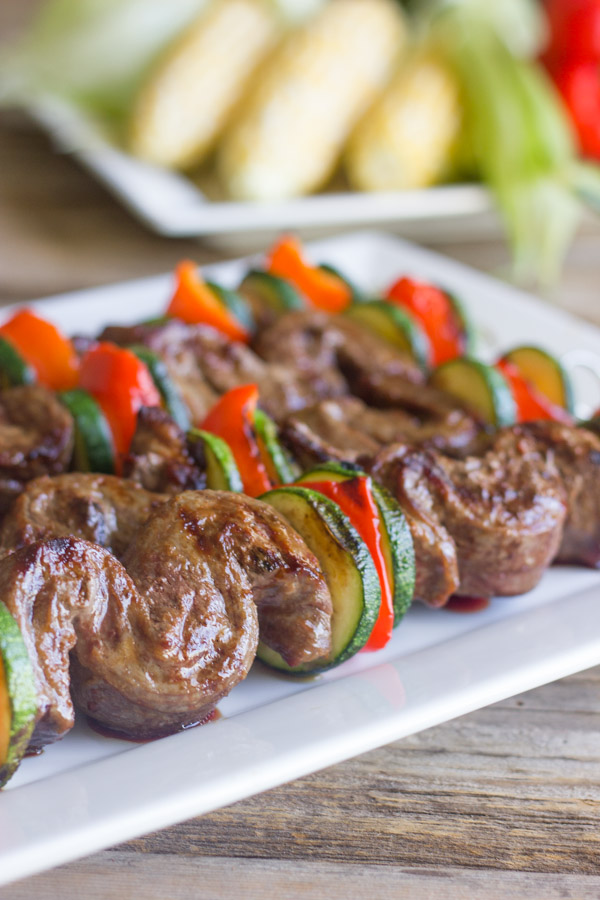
307, 98
409, 138
184, 105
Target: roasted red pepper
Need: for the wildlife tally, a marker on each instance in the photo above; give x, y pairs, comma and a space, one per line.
531, 404
194, 302
434, 312
323, 289
574, 27
579, 84
231, 418
121, 384
44, 348
355, 499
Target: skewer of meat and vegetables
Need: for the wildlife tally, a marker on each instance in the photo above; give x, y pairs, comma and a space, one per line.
274, 471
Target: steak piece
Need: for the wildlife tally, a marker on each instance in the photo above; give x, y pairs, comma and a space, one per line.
576, 452
159, 458
157, 639
504, 511
204, 363
314, 342
226, 542
36, 438
153, 649
347, 429
401, 469
103, 509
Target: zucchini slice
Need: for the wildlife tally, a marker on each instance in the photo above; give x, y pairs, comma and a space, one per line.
221, 470
14, 370
396, 537
394, 325
18, 701
236, 305
94, 447
348, 569
172, 400
463, 320
280, 466
545, 373
358, 296
269, 295
478, 387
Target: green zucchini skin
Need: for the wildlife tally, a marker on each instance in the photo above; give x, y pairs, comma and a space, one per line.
171, 397
480, 388
14, 370
281, 468
222, 473
269, 295
398, 543
348, 569
545, 372
20, 683
396, 326
94, 448
463, 321
236, 304
358, 296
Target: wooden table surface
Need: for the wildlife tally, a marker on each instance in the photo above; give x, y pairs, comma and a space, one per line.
503, 803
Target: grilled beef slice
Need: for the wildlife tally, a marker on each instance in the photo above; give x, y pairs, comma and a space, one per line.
159, 458
203, 363
103, 509
36, 438
347, 429
192, 570
504, 511
313, 341
576, 453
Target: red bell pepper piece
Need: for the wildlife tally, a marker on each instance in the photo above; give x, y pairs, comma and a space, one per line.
231, 418
531, 403
121, 384
355, 499
579, 84
433, 310
44, 348
194, 302
323, 289
574, 30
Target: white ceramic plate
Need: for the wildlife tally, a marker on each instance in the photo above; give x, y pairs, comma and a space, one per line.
90, 791
174, 206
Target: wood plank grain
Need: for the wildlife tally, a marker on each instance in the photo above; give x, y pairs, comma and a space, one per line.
114, 876
509, 787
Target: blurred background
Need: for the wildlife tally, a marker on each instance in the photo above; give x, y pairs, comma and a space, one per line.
424, 115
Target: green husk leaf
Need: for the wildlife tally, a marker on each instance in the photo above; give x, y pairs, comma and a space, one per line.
521, 140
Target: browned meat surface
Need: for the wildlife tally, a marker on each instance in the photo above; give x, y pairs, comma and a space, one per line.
103, 509
576, 452
504, 511
313, 341
348, 430
159, 458
436, 561
157, 639
36, 438
204, 363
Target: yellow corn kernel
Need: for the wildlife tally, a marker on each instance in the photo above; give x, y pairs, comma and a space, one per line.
186, 102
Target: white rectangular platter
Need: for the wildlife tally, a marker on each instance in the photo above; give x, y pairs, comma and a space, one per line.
90, 791
173, 205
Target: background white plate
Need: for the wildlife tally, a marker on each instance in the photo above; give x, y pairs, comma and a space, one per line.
90, 791
173, 205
